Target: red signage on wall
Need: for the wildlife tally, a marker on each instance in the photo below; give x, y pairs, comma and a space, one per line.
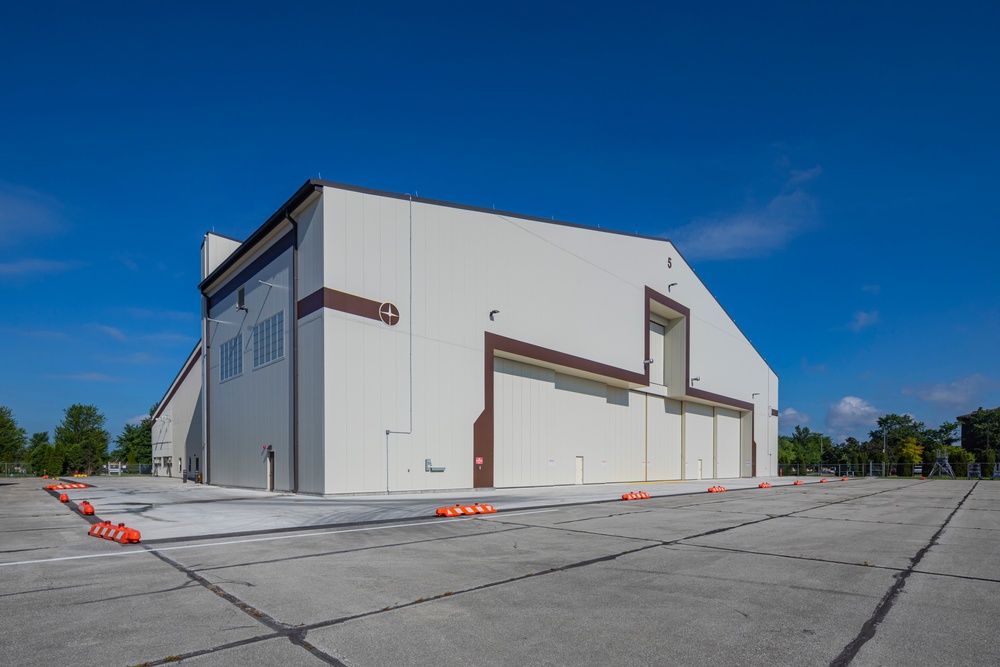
479, 460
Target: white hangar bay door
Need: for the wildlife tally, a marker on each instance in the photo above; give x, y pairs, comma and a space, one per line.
663, 437
728, 437
551, 428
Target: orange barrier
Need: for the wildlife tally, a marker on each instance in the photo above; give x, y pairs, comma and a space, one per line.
635, 495
120, 533
716, 489
459, 510
764, 485
86, 508
843, 479
798, 482
823, 480
63, 498
59, 487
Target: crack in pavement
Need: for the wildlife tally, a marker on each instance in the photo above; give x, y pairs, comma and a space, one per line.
882, 609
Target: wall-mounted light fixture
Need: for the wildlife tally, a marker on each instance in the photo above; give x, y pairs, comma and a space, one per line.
671, 285
209, 319
648, 361
697, 379
755, 394
430, 467
268, 284
492, 313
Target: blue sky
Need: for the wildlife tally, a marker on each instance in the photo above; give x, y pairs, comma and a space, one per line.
829, 171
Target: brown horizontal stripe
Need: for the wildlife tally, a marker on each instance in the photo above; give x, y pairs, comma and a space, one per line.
339, 301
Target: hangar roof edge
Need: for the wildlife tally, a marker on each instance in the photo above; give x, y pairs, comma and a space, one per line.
316, 184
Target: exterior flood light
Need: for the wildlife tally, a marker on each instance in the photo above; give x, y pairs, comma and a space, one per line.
494, 312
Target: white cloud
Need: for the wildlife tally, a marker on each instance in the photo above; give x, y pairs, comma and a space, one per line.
799, 176
851, 415
25, 213
167, 338
136, 420
790, 418
35, 267
812, 369
863, 320
179, 315
958, 394
85, 377
113, 332
752, 233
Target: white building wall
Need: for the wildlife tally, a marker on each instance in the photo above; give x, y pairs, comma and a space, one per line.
553, 287
163, 443
177, 422
252, 411
664, 437
574, 291
729, 460
699, 441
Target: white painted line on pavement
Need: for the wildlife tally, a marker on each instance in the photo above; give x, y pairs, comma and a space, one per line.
291, 536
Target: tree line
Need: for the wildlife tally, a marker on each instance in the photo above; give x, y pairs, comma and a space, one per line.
899, 439
80, 443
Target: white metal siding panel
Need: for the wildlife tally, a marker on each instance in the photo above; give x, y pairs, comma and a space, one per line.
699, 439
335, 359
664, 438
310, 231
522, 394
544, 420
728, 434
253, 410
657, 350
311, 392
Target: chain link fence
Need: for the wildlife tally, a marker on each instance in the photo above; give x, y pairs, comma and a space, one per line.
962, 469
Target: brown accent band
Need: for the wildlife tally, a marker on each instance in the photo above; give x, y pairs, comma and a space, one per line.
339, 301
717, 398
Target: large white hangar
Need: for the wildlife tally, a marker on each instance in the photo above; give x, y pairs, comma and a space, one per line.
363, 341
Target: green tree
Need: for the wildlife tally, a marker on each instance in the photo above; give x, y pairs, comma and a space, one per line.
82, 438
135, 443
909, 453
985, 427
893, 430
54, 461
12, 436
38, 451
960, 459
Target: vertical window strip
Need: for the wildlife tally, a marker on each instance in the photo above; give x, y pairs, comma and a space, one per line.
231, 358
269, 340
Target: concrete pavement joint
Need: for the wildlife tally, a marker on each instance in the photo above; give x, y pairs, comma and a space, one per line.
512, 528
889, 599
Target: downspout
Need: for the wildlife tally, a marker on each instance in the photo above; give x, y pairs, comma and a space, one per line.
295, 351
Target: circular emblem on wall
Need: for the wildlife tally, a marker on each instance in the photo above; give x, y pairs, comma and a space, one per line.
388, 313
